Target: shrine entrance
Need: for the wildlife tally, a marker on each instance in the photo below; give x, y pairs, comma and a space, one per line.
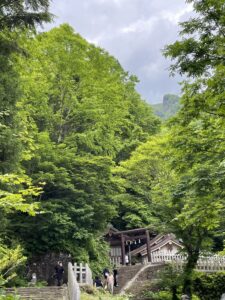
123, 242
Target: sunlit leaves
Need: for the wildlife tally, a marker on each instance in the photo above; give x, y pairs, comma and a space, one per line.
15, 191
10, 259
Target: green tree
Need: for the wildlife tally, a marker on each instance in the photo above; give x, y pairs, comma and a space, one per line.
16, 189
169, 185
29, 13
14, 15
135, 178
10, 259
202, 45
198, 129
80, 116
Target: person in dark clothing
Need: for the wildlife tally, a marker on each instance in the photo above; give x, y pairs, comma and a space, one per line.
98, 282
59, 270
105, 273
115, 275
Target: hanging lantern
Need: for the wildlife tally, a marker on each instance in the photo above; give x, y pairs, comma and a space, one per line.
139, 241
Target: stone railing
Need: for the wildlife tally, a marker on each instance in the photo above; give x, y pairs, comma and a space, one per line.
83, 273
212, 263
73, 285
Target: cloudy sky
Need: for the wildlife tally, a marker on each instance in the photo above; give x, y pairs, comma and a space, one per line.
134, 31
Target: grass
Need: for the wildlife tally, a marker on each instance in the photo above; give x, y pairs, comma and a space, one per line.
101, 295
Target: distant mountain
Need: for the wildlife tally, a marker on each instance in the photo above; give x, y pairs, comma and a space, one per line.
168, 108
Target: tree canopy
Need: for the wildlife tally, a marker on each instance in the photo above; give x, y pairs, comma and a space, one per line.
23, 13
201, 47
80, 148
79, 115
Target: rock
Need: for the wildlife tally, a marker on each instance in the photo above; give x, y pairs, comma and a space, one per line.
185, 297
223, 297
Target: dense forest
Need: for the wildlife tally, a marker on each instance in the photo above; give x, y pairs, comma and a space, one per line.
80, 148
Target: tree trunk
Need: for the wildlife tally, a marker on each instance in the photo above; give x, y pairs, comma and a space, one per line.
174, 293
188, 272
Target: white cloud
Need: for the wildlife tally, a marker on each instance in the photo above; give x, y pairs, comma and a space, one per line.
140, 26
134, 31
148, 24
175, 17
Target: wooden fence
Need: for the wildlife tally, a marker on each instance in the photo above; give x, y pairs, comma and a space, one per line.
212, 263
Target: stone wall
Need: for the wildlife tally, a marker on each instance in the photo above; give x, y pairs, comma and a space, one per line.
44, 266
151, 272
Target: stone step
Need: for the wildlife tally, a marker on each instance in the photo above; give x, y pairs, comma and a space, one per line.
125, 274
128, 273
44, 293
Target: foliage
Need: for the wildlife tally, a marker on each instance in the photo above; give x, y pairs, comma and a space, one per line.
162, 295
9, 297
201, 47
78, 115
99, 255
135, 178
180, 172
70, 118
100, 294
198, 132
17, 14
170, 279
15, 190
209, 286
10, 259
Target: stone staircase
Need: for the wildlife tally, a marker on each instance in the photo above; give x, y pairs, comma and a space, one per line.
44, 293
144, 281
125, 274
135, 279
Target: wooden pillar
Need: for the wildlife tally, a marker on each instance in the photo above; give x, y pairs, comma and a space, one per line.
123, 249
148, 246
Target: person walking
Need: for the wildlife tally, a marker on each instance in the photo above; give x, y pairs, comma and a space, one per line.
59, 271
115, 275
105, 273
110, 282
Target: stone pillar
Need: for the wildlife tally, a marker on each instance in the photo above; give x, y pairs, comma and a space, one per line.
148, 246
123, 249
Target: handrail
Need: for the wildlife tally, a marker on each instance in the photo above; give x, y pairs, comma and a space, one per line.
73, 286
204, 263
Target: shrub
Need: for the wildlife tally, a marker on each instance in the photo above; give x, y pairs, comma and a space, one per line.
162, 295
102, 295
209, 286
9, 297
